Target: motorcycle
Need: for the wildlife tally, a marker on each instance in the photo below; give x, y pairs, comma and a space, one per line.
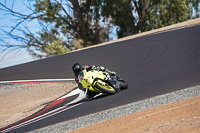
101, 82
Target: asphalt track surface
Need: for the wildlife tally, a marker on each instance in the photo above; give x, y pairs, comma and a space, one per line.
152, 65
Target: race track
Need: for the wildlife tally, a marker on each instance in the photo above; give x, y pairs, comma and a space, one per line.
152, 65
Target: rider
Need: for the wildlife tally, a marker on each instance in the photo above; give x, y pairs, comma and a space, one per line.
77, 68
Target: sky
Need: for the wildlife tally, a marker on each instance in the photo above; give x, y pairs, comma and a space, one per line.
10, 58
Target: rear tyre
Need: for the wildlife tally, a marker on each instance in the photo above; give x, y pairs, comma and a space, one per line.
105, 88
123, 85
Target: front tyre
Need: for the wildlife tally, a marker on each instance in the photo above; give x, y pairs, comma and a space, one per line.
105, 88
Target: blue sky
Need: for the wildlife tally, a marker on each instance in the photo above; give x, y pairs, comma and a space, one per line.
8, 58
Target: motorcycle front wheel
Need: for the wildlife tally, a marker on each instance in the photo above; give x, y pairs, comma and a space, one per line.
105, 88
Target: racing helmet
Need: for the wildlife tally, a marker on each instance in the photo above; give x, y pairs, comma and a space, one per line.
77, 68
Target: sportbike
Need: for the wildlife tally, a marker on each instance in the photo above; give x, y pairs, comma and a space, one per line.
101, 82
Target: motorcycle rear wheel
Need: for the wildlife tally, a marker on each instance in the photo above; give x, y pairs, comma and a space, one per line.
123, 85
105, 88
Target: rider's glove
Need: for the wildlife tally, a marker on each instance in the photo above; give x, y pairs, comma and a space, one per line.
111, 72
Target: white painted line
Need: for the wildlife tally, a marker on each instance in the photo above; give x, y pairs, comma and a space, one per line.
74, 92
81, 96
39, 118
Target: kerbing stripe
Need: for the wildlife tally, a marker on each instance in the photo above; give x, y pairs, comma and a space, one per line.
37, 81
74, 96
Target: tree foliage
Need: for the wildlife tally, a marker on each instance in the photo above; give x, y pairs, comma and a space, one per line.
70, 24
134, 16
75, 19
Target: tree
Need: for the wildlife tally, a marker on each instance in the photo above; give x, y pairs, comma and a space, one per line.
134, 16
168, 12
46, 44
76, 19
68, 22
194, 6
71, 24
